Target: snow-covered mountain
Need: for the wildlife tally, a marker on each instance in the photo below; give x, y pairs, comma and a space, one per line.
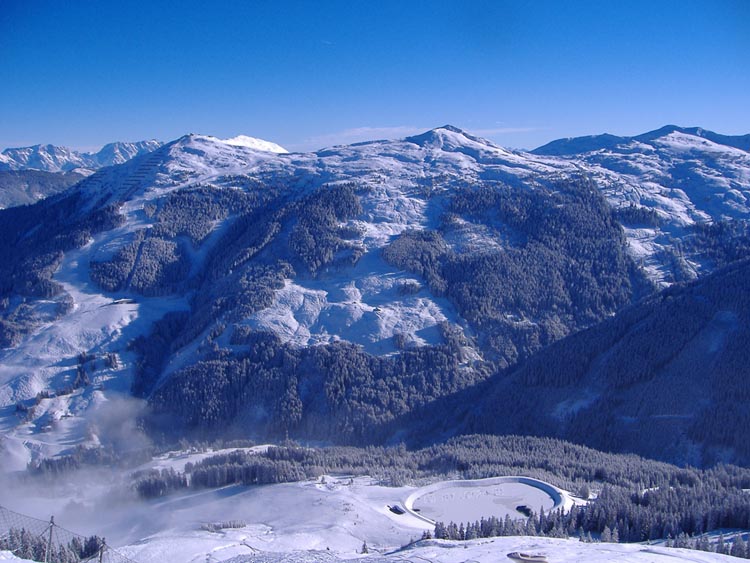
119, 152
578, 145
51, 158
665, 184
328, 294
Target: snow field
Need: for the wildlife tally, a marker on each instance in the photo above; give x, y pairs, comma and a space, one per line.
322, 521
471, 500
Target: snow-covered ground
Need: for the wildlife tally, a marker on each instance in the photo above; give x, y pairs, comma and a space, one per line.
327, 520
494, 550
98, 324
684, 178
8, 556
471, 500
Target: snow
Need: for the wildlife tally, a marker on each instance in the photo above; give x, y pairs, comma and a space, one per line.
253, 143
469, 501
97, 324
685, 178
178, 459
682, 142
364, 305
8, 556
494, 550
326, 520
51, 158
406, 183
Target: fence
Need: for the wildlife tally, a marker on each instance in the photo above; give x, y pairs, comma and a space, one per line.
46, 542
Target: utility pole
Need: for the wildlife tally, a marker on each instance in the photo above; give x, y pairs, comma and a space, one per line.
47, 552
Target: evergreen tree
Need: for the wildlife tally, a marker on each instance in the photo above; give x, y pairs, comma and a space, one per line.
738, 547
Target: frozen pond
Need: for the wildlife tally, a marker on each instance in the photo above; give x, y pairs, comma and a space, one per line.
464, 501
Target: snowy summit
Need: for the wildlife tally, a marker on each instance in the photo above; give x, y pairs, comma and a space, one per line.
254, 143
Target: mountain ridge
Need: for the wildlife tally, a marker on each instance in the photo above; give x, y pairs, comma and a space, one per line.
570, 146
52, 158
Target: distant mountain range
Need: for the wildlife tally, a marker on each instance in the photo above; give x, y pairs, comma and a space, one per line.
29, 174
243, 290
51, 158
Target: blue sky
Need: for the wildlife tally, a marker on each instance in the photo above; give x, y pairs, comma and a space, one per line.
311, 74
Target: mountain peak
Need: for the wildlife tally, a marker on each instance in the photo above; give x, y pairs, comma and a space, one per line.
452, 129
448, 137
668, 130
741, 142
255, 143
244, 141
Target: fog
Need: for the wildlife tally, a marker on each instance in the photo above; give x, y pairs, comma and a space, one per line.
91, 500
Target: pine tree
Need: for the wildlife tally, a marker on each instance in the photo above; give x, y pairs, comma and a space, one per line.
738, 547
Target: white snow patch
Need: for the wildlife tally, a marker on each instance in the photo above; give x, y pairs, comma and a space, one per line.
254, 143
366, 305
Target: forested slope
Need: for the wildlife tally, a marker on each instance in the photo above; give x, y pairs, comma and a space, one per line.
668, 378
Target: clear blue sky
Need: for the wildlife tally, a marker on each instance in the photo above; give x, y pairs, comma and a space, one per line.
311, 74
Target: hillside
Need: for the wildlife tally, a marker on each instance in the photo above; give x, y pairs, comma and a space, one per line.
22, 187
666, 186
244, 290
274, 503
667, 378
